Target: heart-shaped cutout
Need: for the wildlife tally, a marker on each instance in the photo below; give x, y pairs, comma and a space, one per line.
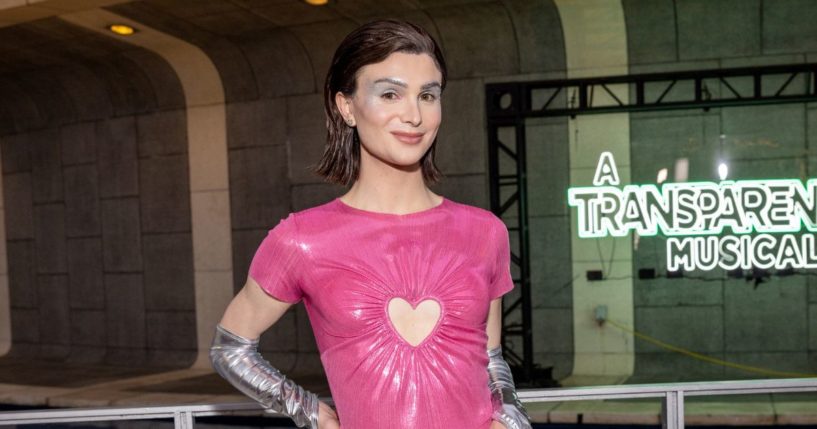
414, 324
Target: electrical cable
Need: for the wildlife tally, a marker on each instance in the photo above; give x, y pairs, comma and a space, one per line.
601, 259
562, 287
612, 255
706, 358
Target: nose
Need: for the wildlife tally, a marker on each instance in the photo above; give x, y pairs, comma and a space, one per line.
411, 113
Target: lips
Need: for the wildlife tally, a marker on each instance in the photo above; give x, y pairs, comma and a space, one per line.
411, 138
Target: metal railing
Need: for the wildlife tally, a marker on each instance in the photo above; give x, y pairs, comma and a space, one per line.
671, 395
183, 415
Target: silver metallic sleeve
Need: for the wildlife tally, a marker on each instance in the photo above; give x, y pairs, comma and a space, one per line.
237, 360
513, 413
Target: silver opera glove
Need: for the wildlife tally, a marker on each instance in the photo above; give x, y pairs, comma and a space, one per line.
513, 413
237, 360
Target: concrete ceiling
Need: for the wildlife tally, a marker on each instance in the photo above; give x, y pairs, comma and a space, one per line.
53, 72
19, 11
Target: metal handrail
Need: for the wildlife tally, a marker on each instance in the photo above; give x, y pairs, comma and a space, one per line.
696, 388
672, 394
672, 402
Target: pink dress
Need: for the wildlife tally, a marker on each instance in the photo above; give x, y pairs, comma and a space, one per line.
347, 264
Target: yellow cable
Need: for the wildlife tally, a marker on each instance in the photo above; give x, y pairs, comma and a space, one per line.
709, 359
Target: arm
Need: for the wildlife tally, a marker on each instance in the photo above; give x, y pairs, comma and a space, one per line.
252, 311
494, 324
235, 357
509, 410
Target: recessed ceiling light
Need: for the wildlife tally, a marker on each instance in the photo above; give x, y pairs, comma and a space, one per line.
122, 29
317, 2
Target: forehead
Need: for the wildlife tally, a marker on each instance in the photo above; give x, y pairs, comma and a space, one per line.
413, 69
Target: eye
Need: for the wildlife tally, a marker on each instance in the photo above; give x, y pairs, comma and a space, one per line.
428, 96
389, 95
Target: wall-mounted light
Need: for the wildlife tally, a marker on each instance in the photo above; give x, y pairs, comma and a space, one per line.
681, 169
723, 167
121, 29
723, 170
316, 2
662, 176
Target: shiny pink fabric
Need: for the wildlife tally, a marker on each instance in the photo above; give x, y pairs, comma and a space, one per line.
347, 263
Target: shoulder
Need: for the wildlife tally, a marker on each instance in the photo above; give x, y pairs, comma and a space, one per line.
479, 219
301, 220
475, 213
316, 211
320, 211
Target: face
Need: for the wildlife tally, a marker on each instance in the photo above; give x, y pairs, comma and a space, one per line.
396, 108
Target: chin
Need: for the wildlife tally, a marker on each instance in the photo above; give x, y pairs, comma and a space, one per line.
402, 157
405, 163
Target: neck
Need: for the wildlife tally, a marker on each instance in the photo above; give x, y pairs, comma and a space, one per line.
388, 188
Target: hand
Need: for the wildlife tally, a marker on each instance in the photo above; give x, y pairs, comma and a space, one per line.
327, 418
497, 425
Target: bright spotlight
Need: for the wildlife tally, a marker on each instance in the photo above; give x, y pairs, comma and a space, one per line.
723, 170
662, 176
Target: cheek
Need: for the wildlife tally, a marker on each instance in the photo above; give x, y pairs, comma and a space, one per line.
433, 115
374, 112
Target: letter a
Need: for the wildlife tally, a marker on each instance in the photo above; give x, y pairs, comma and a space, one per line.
606, 170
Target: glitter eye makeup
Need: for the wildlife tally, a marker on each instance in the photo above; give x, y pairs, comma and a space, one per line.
392, 88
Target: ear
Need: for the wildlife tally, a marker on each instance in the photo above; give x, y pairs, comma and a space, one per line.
344, 104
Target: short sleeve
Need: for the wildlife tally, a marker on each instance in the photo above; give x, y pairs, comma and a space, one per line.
502, 281
276, 265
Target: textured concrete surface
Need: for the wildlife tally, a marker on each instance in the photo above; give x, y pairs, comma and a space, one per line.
697, 22
461, 138
664, 322
81, 201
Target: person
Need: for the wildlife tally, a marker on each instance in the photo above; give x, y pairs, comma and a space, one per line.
402, 286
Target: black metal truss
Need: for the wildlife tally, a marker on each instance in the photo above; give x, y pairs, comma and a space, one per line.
509, 104
520, 259
654, 91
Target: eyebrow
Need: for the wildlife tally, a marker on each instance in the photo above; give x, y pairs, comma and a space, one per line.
404, 85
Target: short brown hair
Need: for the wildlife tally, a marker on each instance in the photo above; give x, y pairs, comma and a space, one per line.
369, 44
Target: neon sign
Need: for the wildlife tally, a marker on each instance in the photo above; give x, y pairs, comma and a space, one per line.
695, 215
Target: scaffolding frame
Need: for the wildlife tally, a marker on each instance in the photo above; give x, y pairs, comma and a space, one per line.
509, 104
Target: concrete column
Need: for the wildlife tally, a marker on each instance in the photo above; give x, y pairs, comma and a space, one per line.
596, 45
207, 151
5, 299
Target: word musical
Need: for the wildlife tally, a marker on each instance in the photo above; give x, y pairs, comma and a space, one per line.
704, 209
